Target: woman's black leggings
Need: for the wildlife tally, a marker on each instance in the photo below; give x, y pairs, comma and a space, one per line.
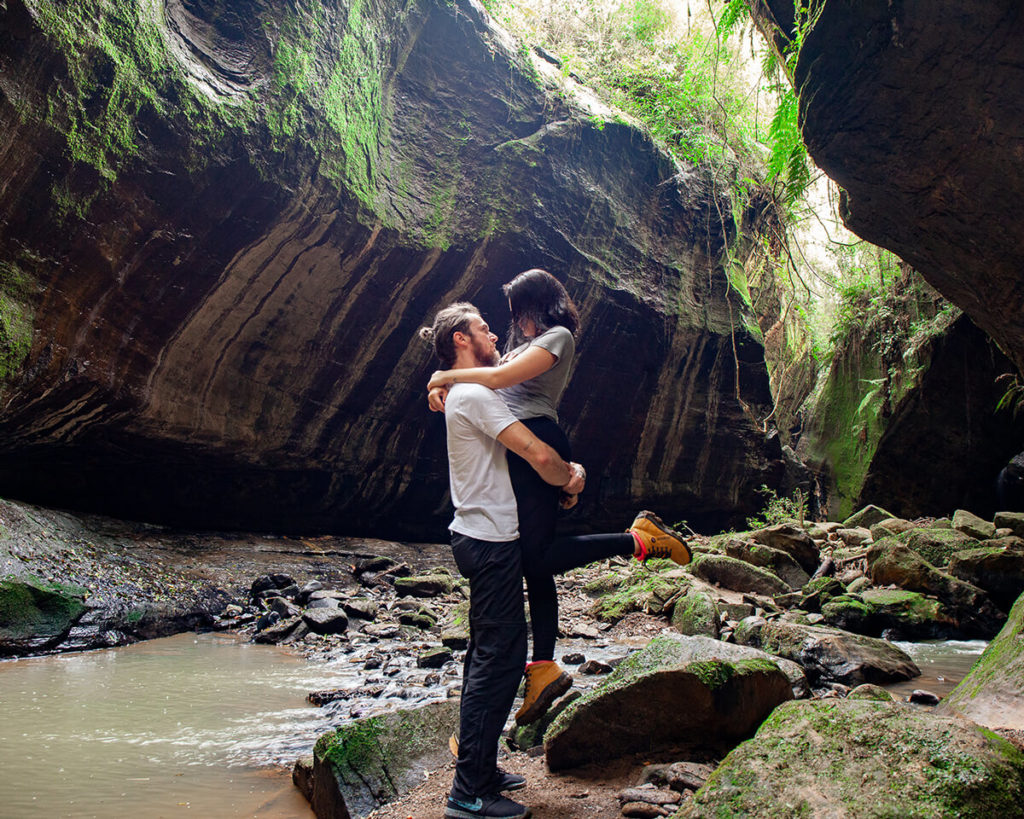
543, 555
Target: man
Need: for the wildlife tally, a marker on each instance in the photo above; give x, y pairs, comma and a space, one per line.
485, 545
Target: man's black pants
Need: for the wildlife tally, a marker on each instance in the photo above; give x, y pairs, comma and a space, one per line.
494, 660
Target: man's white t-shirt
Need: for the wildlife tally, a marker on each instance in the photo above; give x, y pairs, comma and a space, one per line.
485, 505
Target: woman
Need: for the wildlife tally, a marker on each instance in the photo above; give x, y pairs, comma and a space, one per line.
531, 379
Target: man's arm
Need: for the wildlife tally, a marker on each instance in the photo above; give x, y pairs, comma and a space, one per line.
545, 461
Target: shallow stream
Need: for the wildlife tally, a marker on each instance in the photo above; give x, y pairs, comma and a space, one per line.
209, 725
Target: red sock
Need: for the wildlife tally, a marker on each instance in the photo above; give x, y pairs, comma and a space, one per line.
643, 549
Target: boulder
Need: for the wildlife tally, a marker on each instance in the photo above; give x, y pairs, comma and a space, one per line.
793, 540
361, 608
847, 758
36, 614
325, 620
854, 537
778, 562
696, 613
867, 691
371, 761
425, 585
1010, 520
677, 691
937, 546
997, 568
635, 589
973, 526
737, 575
991, 692
894, 563
831, 655
867, 517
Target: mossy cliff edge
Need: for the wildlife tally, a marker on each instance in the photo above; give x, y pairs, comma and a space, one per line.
223, 224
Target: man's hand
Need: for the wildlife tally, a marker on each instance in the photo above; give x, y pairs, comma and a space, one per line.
578, 480
436, 398
567, 501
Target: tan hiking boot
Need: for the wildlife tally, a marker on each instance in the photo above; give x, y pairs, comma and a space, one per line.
545, 683
659, 540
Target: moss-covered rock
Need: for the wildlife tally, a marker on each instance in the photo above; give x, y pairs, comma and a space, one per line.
695, 612
793, 540
997, 568
991, 691
640, 588
35, 613
737, 575
867, 517
833, 655
937, 546
894, 563
691, 691
778, 562
973, 526
865, 758
370, 761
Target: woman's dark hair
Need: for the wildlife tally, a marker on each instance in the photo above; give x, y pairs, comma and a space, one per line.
538, 296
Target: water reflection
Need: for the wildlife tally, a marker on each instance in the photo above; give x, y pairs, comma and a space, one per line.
201, 723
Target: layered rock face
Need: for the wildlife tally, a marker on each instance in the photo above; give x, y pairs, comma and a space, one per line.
916, 116
221, 225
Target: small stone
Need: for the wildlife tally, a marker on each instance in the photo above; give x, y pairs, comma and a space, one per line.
595, 667
649, 794
574, 658
435, 658
921, 697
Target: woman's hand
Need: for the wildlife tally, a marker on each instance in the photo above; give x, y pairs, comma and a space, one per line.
440, 378
567, 501
436, 398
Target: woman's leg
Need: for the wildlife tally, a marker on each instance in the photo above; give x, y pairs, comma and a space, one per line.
537, 503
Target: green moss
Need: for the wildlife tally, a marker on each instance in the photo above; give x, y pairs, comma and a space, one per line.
33, 607
355, 746
16, 317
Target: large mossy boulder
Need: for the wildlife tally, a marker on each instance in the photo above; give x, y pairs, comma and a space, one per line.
898, 613
997, 568
36, 614
863, 758
737, 575
832, 655
370, 761
778, 562
937, 546
677, 691
793, 540
991, 692
894, 563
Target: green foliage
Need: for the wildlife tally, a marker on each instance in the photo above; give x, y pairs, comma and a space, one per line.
779, 510
1013, 398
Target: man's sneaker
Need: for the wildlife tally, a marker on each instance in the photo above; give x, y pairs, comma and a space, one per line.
507, 781
495, 806
659, 540
545, 683
504, 781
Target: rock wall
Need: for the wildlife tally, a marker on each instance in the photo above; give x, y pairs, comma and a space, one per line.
915, 115
221, 224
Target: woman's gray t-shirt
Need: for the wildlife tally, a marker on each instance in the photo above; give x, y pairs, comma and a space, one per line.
539, 397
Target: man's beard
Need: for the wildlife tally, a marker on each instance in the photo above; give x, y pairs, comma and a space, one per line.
484, 357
